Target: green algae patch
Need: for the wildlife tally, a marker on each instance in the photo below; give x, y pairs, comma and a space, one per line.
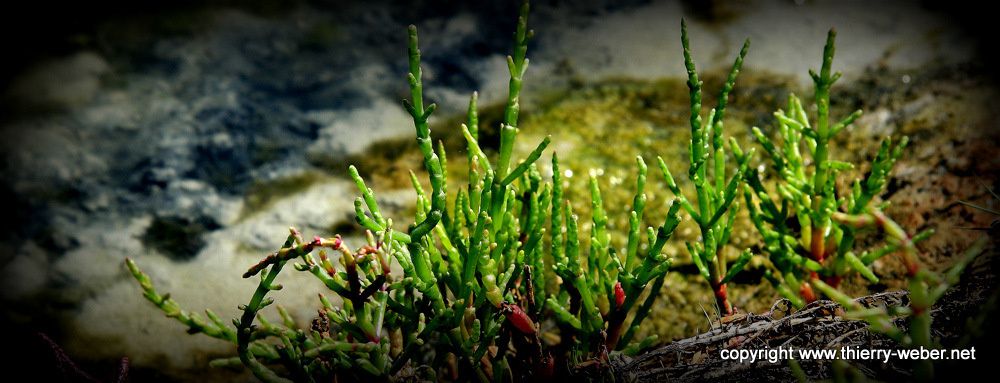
179, 238
262, 194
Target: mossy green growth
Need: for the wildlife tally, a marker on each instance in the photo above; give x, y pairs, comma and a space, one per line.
260, 195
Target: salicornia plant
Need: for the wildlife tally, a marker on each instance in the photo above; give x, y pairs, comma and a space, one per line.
926, 289
464, 292
716, 209
596, 297
804, 240
472, 293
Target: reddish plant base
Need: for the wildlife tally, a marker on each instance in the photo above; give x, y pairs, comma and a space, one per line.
722, 299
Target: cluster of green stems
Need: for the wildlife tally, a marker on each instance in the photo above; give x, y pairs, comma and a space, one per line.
811, 238
803, 220
926, 288
474, 288
716, 211
487, 266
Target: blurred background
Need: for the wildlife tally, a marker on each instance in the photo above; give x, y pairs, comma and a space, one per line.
189, 135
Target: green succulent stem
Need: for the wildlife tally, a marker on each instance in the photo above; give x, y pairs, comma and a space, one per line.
715, 209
